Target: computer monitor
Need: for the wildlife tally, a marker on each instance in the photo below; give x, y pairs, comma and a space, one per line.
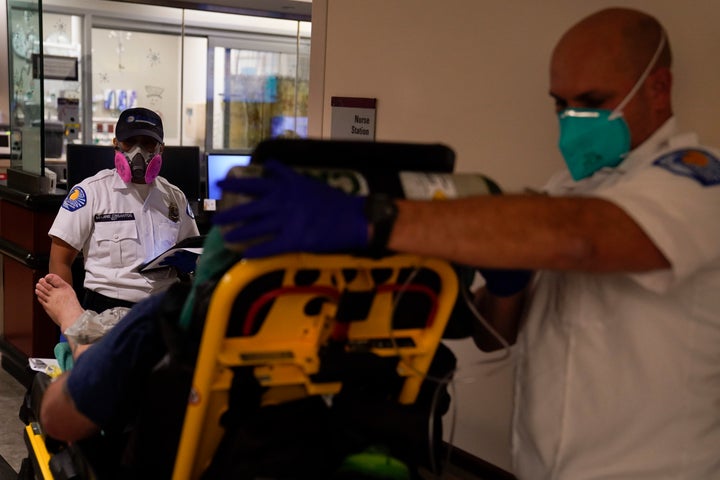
181, 167
84, 161
218, 165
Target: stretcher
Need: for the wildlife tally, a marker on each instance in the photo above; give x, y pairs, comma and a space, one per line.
294, 324
352, 304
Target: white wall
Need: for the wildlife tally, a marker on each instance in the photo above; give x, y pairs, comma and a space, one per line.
474, 75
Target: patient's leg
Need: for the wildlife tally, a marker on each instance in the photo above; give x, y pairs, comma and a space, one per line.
59, 300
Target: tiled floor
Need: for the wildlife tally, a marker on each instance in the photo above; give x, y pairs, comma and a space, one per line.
12, 446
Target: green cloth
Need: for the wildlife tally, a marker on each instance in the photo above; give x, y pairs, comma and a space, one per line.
376, 463
63, 355
215, 259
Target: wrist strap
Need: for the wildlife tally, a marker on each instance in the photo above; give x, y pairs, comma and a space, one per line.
381, 211
505, 283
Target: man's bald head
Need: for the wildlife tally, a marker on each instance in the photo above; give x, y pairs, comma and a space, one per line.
598, 60
629, 35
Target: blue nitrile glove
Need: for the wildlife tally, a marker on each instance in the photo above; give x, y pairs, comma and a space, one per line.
182, 260
504, 283
294, 212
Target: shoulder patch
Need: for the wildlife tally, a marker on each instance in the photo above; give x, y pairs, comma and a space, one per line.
75, 200
189, 211
700, 165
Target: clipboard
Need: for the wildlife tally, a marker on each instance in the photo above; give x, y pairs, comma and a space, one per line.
190, 244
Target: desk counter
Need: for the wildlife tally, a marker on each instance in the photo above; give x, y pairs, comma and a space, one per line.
25, 250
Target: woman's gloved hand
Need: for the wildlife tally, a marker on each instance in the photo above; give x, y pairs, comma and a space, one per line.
290, 212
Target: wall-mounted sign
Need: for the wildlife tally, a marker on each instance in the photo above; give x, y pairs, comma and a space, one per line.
353, 118
55, 67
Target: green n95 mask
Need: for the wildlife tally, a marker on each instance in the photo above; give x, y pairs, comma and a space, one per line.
594, 138
591, 139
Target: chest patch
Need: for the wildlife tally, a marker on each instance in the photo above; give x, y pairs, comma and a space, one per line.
700, 165
75, 200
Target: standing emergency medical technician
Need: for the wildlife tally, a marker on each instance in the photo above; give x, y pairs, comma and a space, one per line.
121, 218
618, 355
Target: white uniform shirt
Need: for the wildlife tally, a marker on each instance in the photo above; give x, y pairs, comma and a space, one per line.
117, 231
619, 374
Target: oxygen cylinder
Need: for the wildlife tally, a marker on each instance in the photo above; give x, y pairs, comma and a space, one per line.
414, 186
440, 186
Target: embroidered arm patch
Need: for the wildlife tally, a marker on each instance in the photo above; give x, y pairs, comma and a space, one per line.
700, 165
75, 200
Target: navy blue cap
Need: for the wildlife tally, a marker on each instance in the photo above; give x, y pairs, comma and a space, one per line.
134, 122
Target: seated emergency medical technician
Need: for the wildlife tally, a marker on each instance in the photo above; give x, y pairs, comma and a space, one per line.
121, 218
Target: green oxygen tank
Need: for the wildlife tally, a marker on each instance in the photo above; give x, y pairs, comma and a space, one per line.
412, 185
438, 186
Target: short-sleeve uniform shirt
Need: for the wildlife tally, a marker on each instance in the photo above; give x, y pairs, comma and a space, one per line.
116, 230
619, 373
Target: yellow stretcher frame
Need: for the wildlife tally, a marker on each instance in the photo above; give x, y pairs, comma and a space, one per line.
284, 350
36, 443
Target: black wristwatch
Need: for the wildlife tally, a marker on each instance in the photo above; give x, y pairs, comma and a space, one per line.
381, 211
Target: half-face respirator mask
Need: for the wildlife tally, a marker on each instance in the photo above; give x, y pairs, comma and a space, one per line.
138, 165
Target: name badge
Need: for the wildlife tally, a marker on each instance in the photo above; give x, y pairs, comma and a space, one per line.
114, 217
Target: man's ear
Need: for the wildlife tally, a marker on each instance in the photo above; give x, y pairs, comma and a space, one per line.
661, 85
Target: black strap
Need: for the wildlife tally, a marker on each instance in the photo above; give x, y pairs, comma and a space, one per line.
381, 212
99, 303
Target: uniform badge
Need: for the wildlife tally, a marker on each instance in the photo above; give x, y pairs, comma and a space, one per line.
75, 200
700, 165
173, 212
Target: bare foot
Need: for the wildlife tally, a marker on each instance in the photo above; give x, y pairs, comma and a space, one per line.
59, 300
